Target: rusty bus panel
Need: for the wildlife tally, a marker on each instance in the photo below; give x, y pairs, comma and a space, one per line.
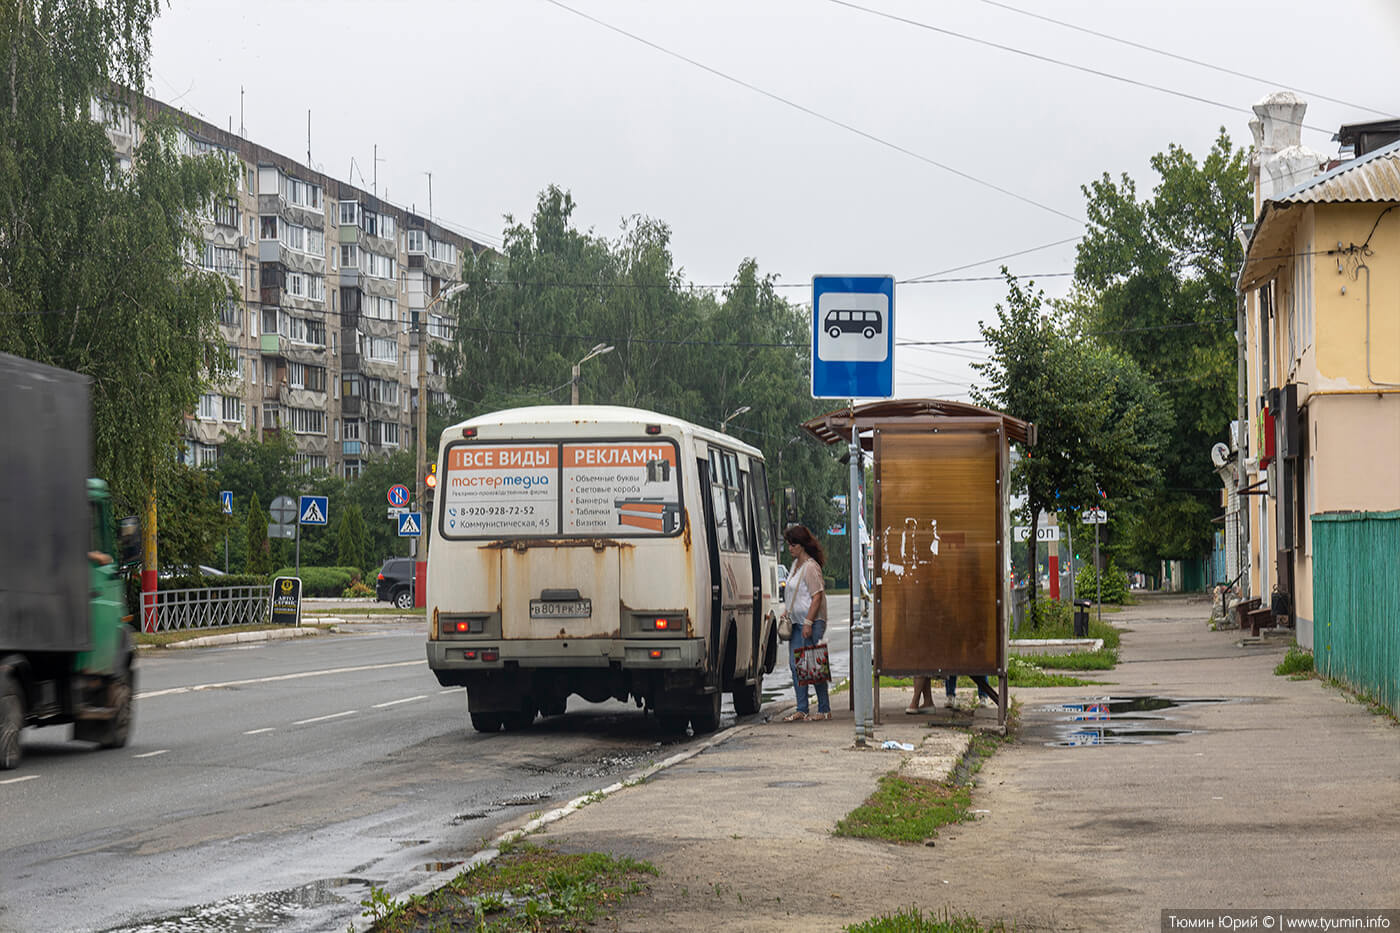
527, 572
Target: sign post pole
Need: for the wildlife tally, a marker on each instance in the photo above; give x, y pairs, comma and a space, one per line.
1098, 587
1069, 531
860, 689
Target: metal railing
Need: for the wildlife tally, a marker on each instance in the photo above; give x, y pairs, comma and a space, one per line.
205, 608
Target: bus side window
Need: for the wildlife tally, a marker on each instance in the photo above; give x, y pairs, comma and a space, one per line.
763, 514
737, 525
721, 509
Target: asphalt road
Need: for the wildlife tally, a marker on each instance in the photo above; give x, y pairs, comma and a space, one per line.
269, 785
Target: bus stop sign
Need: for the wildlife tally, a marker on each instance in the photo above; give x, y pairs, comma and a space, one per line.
852, 336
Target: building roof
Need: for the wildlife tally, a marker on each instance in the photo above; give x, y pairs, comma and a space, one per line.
1374, 177
835, 426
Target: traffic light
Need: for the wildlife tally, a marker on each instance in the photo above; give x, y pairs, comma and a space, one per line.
429, 487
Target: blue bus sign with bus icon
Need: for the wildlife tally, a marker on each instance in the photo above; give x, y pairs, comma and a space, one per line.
852, 336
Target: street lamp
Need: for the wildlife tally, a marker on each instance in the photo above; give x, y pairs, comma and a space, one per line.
599, 350
724, 425
421, 457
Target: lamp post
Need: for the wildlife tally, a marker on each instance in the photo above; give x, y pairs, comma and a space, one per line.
421, 455
724, 425
599, 350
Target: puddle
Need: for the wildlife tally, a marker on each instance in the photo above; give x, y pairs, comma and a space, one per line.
1119, 720
276, 910
438, 866
793, 784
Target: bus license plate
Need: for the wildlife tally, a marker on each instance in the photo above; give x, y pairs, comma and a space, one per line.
570, 609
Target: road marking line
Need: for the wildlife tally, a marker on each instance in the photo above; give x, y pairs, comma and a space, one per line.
450, 689
27, 777
397, 702
276, 678
151, 754
260, 731
302, 722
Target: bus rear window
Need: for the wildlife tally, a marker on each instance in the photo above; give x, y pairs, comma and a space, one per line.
617, 488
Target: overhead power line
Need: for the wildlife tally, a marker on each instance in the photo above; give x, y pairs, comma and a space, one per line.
787, 102
1055, 61
1183, 58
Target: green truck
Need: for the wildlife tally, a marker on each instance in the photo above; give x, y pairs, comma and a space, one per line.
66, 646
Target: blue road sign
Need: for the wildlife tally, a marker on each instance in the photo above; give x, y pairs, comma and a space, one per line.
313, 510
410, 524
398, 495
226, 501
852, 336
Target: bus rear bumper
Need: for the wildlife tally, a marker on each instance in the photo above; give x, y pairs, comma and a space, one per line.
460, 656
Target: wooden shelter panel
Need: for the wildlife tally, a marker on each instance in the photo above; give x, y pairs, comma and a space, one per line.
937, 512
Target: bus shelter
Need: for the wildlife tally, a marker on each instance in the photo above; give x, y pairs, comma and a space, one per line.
941, 534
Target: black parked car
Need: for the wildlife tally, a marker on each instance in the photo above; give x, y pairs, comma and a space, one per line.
395, 583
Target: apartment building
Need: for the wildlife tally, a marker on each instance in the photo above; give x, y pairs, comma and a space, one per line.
329, 284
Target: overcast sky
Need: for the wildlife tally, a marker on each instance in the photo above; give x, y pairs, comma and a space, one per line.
803, 133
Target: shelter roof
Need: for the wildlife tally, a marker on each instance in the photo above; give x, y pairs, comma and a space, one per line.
835, 426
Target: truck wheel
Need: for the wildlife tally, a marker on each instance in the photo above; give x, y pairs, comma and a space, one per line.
704, 719
116, 732
672, 723
518, 720
403, 599
748, 698
11, 722
555, 707
486, 722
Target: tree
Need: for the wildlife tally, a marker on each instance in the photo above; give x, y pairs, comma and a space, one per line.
259, 554
553, 292
1098, 422
352, 542
1156, 278
94, 274
193, 521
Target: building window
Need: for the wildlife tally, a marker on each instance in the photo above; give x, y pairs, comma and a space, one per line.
309, 463
349, 256
443, 252
383, 350
416, 240
226, 214
349, 214
384, 433
220, 259
233, 409
272, 417
303, 194
268, 228
209, 407
229, 313
308, 421
383, 390
294, 237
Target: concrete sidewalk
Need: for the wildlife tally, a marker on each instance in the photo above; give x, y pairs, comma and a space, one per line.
1250, 791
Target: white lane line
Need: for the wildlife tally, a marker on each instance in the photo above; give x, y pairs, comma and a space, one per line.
27, 777
302, 722
260, 731
423, 696
278, 677
151, 754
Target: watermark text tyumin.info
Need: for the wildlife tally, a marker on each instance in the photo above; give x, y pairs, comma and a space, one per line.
1331, 919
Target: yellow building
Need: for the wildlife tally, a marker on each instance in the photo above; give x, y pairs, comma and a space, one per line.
1321, 282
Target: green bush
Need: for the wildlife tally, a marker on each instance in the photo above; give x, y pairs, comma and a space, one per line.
322, 581
1049, 613
1297, 661
356, 589
1113, 581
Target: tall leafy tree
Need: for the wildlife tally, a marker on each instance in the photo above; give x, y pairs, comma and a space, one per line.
1156, 277
1098, 420
553, 292
351, 539
94, 271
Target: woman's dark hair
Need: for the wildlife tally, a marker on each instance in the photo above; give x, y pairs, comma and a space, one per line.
799, 535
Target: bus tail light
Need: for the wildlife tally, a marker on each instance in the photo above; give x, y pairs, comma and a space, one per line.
655, 654
490, 654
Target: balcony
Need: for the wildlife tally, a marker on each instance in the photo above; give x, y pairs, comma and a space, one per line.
351, 448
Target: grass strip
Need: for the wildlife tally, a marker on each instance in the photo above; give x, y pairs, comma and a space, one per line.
913, 920
527, 887
161, 639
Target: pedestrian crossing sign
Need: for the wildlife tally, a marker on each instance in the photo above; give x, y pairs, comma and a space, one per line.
313, 510
410, 524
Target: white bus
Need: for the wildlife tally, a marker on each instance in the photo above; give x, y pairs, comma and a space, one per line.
600, 552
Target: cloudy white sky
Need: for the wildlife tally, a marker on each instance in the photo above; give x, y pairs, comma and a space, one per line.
815, 136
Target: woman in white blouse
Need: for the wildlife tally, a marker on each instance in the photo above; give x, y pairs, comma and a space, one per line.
805, 597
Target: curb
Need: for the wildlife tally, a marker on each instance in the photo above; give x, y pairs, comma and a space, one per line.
485, 856
235, 638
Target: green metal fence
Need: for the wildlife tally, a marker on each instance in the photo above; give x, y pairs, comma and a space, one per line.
1356, 602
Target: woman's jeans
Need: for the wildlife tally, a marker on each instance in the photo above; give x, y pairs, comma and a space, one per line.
818, 630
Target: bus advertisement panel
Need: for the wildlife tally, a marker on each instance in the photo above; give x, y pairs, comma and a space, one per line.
621, 488
500, 491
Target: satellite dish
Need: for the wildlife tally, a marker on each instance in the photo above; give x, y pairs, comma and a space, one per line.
1219, 455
